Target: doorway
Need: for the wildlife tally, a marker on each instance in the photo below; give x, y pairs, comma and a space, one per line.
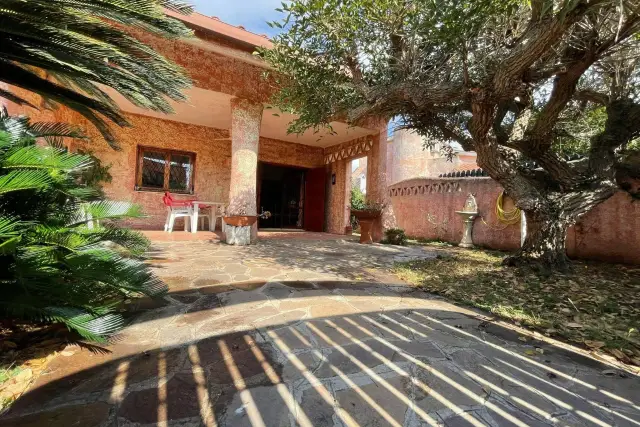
281, 191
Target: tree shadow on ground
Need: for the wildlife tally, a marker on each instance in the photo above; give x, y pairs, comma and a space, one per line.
360, 355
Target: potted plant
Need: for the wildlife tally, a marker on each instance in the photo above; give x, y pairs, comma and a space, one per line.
366, 214
245, 220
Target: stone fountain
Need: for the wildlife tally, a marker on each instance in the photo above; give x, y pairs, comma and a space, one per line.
468, 213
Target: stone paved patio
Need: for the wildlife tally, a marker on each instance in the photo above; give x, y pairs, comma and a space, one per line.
316, 333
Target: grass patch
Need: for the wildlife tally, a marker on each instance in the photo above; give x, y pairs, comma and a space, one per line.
597, 305
7, 373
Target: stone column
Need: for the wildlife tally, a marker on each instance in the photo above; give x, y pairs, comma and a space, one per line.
377, 180
246, 117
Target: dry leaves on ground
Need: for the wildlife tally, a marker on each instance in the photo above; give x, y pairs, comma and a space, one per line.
23, 356
597, 305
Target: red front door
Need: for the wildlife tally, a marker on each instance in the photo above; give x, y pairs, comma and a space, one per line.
314, 200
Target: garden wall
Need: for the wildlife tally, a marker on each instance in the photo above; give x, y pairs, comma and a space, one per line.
426, 208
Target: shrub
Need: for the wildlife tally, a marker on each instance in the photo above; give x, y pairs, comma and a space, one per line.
395, 236
59, 265
357, 203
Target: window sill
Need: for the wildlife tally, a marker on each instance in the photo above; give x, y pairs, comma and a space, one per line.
160, 190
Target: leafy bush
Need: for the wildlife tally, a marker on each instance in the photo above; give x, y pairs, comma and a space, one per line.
358, 202
63, 257
395, 236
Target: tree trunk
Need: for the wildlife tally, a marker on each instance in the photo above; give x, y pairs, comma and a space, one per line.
544, 245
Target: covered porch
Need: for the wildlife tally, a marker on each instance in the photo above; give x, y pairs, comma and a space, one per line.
228, 145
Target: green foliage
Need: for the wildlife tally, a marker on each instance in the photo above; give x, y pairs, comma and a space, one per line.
395, 236
424, 61
68, 50
575, 135
63, 257
358, 201
336, 56
96, 174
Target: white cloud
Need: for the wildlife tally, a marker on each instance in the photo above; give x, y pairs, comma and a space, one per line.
251, 14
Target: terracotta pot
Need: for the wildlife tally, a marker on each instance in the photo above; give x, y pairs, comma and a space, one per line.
365, 230
348, 230
366, 214
240, 221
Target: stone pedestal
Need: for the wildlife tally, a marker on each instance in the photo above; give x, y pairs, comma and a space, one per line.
240, 236
467, 231
246, 117
365, 230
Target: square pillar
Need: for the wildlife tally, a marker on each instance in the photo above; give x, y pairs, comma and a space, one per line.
246, 117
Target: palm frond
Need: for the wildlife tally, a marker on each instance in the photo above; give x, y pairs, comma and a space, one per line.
107, 210
19, 180
90, 326
15, 98
23, 78
36, 157
77, 46
56, 268
9, 226
45, 129
136, 243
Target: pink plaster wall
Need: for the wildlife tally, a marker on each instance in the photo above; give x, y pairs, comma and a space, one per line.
426, 208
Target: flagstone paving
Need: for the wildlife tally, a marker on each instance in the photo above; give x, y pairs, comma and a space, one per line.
316, 333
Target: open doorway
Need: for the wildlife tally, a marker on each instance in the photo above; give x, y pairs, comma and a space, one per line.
358, 191
281, 192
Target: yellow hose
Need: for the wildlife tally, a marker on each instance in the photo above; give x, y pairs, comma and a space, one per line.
506, 217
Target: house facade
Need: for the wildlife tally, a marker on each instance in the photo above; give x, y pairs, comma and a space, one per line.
226, 144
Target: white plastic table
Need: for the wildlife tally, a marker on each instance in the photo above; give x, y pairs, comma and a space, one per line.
213, 215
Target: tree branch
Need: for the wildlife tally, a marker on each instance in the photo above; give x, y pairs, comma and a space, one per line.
622, 126
393, 98
541, 37
592, 96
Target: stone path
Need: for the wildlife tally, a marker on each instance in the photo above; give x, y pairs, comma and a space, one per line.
316, 333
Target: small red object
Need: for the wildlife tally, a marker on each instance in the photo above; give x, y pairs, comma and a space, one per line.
168, 200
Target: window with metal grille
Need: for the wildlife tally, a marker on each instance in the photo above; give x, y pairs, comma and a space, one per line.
165, 170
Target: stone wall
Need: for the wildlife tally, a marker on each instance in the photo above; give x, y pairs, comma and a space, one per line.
426, 208
212, 166
212, 148
211, 70
290, 154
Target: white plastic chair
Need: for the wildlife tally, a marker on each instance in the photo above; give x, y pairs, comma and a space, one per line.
177, 209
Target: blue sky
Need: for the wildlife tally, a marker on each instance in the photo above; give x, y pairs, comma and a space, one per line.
251, 14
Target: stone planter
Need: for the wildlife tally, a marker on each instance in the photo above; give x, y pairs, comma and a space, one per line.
366, 220
238, 230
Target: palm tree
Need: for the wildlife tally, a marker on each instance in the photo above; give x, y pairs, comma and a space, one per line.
68, 50
64, 259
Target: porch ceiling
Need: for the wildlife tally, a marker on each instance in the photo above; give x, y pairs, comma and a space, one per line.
212, 109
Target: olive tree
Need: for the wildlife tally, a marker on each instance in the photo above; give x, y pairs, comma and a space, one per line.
516, 81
